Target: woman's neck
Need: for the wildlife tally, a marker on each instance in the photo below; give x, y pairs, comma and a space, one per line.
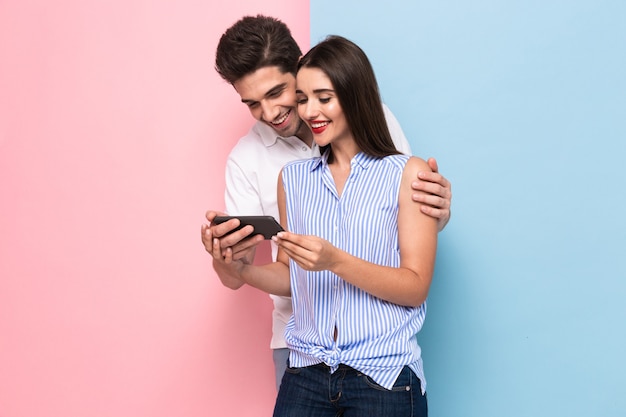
343, 152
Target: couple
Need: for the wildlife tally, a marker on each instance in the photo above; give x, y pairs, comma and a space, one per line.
358, 255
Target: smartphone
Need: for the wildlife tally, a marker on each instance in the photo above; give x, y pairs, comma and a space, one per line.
263, 225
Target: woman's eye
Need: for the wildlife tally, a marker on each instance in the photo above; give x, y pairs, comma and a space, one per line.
301, 100
324, 100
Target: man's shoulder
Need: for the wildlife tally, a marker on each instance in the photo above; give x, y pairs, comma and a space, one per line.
253, 142
258, 135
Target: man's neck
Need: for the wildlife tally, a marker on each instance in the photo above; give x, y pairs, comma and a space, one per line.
305, 134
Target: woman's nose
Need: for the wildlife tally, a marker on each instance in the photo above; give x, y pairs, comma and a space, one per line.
308, 110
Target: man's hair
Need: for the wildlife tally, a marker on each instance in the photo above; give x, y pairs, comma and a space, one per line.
253, 43
354, 82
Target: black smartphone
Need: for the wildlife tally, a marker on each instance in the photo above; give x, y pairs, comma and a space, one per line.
263, 225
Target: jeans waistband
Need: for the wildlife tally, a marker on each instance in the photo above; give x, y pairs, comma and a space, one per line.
322, 365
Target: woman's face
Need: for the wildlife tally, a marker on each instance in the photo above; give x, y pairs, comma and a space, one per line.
319, 108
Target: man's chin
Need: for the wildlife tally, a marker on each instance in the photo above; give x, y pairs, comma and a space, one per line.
285, 131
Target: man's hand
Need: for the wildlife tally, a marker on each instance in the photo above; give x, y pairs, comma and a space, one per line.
437, 199
229, 251
239, 242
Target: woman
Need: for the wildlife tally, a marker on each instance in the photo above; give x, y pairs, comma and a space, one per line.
359, 255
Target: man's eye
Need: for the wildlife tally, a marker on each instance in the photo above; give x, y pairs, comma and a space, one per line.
253, 105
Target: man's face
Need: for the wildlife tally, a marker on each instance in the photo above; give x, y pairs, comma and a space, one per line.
271, 98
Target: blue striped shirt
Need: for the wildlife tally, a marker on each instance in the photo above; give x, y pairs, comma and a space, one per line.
374, 336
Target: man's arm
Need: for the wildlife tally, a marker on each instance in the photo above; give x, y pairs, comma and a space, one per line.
228, 280
241, 198
213, 237
272, 278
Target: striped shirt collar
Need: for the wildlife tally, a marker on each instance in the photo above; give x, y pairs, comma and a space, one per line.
362, 159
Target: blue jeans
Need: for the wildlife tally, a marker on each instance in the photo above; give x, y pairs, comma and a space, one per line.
314, 392
280, 357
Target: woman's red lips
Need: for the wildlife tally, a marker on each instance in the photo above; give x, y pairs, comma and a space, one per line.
318, 126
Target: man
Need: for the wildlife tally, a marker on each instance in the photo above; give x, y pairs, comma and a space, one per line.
258, 57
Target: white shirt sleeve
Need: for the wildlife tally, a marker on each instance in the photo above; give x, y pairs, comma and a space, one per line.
241, 196
402, 144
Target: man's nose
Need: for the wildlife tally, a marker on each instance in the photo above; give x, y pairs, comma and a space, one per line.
269, 112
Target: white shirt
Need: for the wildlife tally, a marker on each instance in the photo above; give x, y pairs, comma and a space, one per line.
252, 171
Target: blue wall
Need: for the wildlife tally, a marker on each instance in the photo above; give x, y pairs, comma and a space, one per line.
523, 103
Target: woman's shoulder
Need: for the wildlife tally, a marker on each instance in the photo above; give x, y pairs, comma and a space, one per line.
414, 165
408, 162
399, 159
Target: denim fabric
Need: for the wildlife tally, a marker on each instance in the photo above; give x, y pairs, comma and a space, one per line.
280, 357
314, 392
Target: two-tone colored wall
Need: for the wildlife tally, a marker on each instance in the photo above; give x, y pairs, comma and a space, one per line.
114, 130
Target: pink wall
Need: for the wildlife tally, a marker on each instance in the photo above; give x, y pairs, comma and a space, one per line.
114, 129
